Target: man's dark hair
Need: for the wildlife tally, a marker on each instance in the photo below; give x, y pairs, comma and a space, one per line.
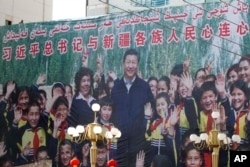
131, 52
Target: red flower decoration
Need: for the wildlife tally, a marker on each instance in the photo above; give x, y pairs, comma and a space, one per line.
112, 163
74, 162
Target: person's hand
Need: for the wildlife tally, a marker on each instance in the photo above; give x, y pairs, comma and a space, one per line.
2, 149
97, 77
174, 116
148, 110
10, 88
85, 57
187, 80
41, 80
140, 159
17, 114
220, 85
58, 120
26, 149
57, 123
186, 64
209, 67
112, 75
221, 120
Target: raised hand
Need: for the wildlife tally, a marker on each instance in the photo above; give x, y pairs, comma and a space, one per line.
209, 67
57, 123
10, 88
112, 75
17, 114
140, 159
174, 117
220, 85
85, 56
97, 77
186, 64
41, 80
148, 110
223, 118
221, 121
58, 120
187, 80
26, 149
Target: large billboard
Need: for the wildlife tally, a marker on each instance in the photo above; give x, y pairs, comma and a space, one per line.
205, 32
200, 33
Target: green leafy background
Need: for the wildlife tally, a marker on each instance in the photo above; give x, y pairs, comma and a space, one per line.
156, 60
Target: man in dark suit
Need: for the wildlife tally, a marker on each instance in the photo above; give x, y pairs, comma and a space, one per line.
129, 95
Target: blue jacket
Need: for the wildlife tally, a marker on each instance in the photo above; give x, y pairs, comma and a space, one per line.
128, 111
81, 113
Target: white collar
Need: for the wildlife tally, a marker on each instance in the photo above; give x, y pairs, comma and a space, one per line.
104, 122
129, 82
89, 100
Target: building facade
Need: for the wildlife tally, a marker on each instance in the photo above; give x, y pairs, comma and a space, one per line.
26, 11
102, 7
